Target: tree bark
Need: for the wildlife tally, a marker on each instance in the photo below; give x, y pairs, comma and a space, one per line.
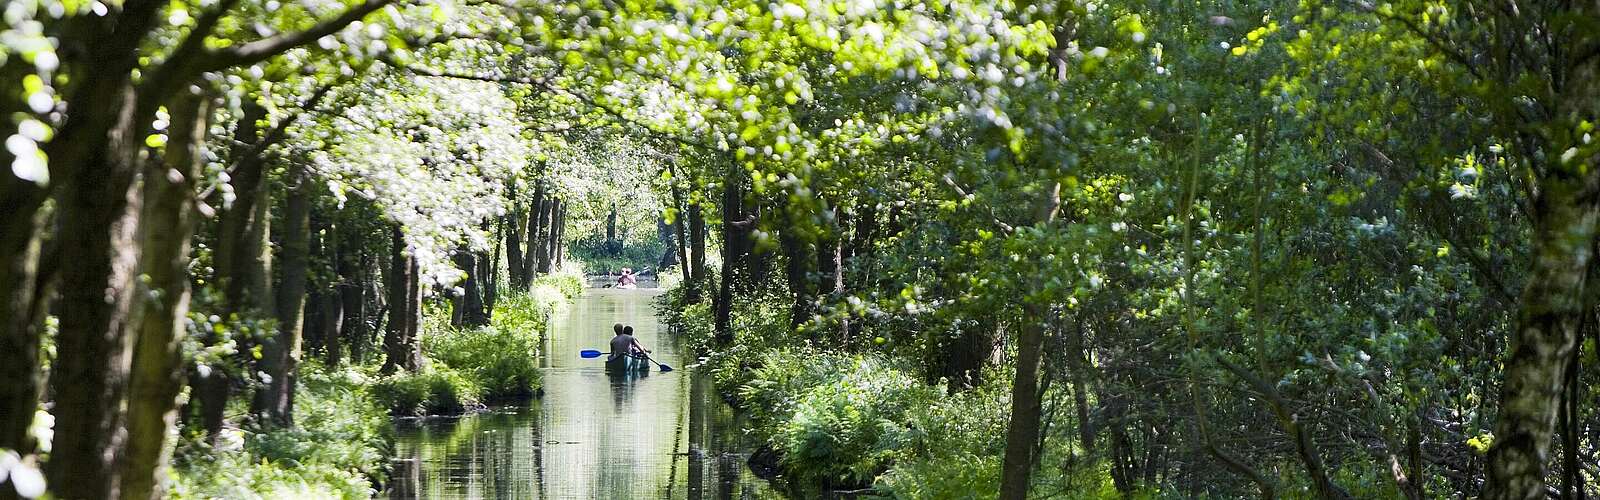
514, 234
157, 367
1023, 431
100, 203
558, 234
396, 341
678, 231
536, 226
330, 295
613, 246
1547, 329
697, 253
352, 271
1564, 212
799, 256
546, 226
472, 313
280, 357
734, 254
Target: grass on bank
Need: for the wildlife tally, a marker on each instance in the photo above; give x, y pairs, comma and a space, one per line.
342, 437
851, 421
466, 369
337, 449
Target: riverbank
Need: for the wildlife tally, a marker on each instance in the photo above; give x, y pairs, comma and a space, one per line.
343, 437
861, 422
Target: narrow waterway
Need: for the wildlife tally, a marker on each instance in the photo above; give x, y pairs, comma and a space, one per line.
592, 435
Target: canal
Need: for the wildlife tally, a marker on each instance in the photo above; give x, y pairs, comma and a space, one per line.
592, 435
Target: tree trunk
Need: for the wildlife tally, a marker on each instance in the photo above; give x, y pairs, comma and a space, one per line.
536, 226
1023, 431
558, 234
329, 296
679, 233
733, 257
697, 253
157, 367
472, 312
546, 231
280, 357
665, 234
1547, 329
489, 277
352, 329
242, 261
798, 258
101, 207
315, 319
514, 233
396, 343
1564, 219
613, 247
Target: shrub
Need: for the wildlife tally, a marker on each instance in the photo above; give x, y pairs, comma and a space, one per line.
837, 420
435, 390
569, 284
955, 450
336, 450
499, 360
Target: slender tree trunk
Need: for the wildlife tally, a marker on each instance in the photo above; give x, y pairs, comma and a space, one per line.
396, 343
157, 367
612, 245
352, 329
514, 233
679, 233
536, 226
733, 258
315, 319
697, 252
1078, 368
242, 260
489, 276
1023, 431
832, 264
472, 312
414, 317
329, 296
281, 354
798, 258
546, 226
558, 234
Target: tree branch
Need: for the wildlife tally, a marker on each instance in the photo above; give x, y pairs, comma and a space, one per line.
260, 50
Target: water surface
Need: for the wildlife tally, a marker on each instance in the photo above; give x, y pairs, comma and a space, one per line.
592, 435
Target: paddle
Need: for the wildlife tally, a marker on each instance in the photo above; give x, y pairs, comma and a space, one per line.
591, 353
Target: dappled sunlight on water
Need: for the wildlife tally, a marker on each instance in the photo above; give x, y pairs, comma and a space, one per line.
592, 435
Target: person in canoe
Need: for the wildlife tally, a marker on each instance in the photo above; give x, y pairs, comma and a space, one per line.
626, 352
627, 280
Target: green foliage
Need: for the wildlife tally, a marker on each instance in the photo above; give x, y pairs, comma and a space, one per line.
337, 449
436, 390
568, 284
835, 419
500, 361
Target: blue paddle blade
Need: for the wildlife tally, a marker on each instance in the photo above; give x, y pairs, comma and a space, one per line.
590, 353
664, 367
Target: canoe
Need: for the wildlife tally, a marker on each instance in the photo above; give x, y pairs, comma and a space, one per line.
627, 364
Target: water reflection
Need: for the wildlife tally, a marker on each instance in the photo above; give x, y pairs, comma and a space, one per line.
592, 435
